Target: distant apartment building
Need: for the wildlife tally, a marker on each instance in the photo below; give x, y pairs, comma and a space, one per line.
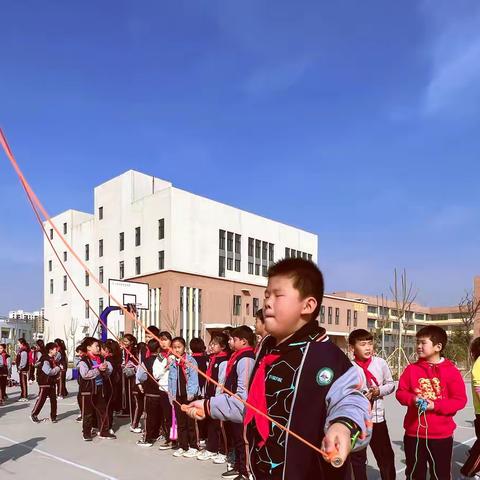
36, 319
11, 329
205, 262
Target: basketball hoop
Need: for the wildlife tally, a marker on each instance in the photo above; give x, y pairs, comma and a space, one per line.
131, 308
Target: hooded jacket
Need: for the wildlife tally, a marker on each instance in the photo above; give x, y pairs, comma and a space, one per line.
440, 382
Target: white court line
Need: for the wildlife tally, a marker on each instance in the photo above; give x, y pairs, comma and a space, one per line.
60, 459
456, 446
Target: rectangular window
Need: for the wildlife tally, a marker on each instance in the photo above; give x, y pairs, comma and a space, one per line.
100, 305
221, 266
371, 309
64, 283
51, 234
270, 253
137, 236
349, 317
161, 259
221, 239
87, 252
237, 265
256, 306
100, 248
330, 310
121, 238
100, 213
238, 243
229, 242
264, 250
250, 268
322, 314
64, 228
87, 279
121, 269
250, 247
293, 253
51, 285
287, 252
229, 263
309, 257
371, 323
87, 308
257, 269
49, 265
161, 229
64, 256
137, 266
100, 274
264, 270
355, 318
258, 246
237, 304
337, 316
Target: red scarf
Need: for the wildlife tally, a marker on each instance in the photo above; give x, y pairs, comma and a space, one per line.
95, 359
257, 398
165, 353
364, 364
31, 356
213, 359
148, 354
52, 360
233, 359
183, 365
4, 358
194, 355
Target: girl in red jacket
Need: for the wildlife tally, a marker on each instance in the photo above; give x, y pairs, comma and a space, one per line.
434, 391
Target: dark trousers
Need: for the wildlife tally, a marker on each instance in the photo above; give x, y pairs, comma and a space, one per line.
438, 460
383, 452
3, 387
79, 401
472, 465
235, 432
153, 417
94, 407
31, 373
23, 384
139, 407
216, 439
165, 415
187, 434
128, 402
46, 391
62, 384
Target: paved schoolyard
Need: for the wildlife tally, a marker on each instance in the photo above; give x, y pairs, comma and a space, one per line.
27, 448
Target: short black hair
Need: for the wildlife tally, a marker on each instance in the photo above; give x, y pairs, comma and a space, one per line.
197, 345
307, 278
359, 335
436, 334
23, 342
475, 348
259, 315
181, 340
221, 339
153, 345
130, 338
50, 346
228, 331
4, 345
89, 341
165, 334
245, 333
153, 330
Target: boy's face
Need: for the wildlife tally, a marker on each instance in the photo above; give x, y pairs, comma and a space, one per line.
230, 342
363, 349
238, 343
178, 348
52, 352
165, 343
94, 348
1, 349
426, 350
126, 342
260, 328
215, 348
104, 351
284, 310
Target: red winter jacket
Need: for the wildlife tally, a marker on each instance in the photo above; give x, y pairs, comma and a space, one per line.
443, 384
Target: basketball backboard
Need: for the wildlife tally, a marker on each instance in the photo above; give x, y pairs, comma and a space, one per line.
127, 293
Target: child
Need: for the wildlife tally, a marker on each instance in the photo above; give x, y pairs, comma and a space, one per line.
62, 361
434, 391
5, 371
129, 343
216, 440
47, 377
107, 350
260, 331
93, 374
142, 354
472, 465
32, 358
79, 353
197, 347
39, 353
379, 384
302, 380
161, 371
147, 382
183, 386
21, 362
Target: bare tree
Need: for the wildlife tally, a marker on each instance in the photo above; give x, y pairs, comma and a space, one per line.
403, 296
383, 320
171, 322
469, 308
70, 335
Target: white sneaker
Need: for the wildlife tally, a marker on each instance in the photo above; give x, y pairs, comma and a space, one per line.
219, 458
190, 453
179, 452
136, 430
202, 443
111, 432
205, 455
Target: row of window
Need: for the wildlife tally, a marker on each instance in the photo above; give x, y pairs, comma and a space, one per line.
292, 253
261, 255
237, 306
337, 316
385, 312
121, 270
231, 256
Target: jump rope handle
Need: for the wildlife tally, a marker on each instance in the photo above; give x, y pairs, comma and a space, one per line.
333, 459
194, 412
422, 405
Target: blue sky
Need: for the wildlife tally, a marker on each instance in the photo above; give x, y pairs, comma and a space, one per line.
354, 120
